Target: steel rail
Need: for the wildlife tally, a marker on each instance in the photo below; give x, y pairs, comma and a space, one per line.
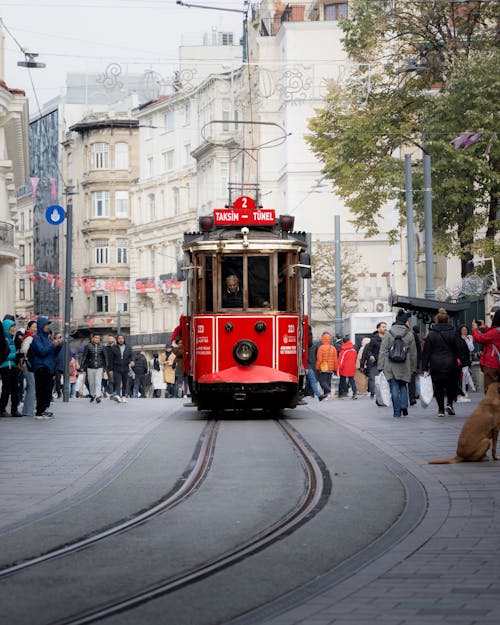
314, 496
194, 474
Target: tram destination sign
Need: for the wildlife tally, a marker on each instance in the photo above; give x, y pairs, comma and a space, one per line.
244, 217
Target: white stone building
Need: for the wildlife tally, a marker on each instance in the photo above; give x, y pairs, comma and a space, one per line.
14, 171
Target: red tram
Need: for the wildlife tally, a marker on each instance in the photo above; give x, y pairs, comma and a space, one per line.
245, 331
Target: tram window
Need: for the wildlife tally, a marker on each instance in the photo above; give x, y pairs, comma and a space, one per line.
258, 282
232, 283
209, 285
282, 281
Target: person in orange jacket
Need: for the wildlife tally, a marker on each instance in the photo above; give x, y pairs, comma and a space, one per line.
326, 363
347, 369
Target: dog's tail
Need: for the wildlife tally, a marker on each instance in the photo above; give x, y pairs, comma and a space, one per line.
454, 460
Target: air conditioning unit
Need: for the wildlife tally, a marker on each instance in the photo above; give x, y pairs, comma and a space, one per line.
379, 306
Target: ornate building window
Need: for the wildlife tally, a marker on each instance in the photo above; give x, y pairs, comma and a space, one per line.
333, 12
121, 251
152, 206
121, 203
176, 199
100, 156
169, 120
100, 203
170, 160
102, 303
121, 155
101, 251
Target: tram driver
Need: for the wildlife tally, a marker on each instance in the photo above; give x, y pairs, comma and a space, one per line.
232, 297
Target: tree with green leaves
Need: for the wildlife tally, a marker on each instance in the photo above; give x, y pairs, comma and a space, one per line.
423, 73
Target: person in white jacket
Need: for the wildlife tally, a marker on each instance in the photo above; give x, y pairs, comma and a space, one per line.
28, 374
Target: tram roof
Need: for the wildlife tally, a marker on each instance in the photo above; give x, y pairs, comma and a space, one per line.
256, 239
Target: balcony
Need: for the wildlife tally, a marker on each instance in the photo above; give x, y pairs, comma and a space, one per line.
7, 248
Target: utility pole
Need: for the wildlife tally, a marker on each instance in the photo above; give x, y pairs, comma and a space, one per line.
338, 280
412, 281
430, 292
68, 192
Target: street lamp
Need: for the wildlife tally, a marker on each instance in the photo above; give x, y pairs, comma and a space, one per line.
29, 60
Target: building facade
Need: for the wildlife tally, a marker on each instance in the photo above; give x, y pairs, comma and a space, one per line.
14, 170
25, 268
101, 162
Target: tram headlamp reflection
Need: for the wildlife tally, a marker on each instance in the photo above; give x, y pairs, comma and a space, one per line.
245, 352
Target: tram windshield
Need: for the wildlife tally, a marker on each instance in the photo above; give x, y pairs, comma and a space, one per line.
245, 281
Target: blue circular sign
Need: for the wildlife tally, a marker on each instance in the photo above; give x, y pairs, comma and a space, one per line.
55, 214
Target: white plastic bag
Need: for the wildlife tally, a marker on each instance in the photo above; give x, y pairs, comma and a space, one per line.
426, 390
382, 390
80, 387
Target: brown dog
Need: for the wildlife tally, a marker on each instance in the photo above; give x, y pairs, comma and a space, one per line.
481, 427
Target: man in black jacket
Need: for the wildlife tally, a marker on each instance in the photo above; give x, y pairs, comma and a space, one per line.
370, 355
121, 361
140, 369
94, 362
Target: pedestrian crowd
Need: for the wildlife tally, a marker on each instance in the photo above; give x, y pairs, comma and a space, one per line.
401, 357
32, 365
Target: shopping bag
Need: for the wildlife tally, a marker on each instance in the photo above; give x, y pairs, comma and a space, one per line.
382, 390
80, 387
426, 390
361, 382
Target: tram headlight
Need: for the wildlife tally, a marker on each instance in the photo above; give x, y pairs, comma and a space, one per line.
245, 352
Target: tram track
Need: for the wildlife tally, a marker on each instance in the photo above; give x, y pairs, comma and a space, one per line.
189, 481
317, 486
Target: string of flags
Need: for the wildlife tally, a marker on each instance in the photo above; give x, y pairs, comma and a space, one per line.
35, 181
89, 285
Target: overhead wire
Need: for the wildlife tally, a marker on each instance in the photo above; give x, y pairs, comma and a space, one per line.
35, 95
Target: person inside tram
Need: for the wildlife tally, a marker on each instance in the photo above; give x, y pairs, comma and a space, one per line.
282, 290
232, 296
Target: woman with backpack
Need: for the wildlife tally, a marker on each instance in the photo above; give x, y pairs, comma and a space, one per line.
398, 360
441, 358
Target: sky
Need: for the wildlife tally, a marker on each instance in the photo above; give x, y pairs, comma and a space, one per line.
90, 35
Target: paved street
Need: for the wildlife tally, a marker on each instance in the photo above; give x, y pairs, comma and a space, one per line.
444, 569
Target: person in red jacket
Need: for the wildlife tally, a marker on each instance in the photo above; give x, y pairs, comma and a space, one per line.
489, 338
347, 369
